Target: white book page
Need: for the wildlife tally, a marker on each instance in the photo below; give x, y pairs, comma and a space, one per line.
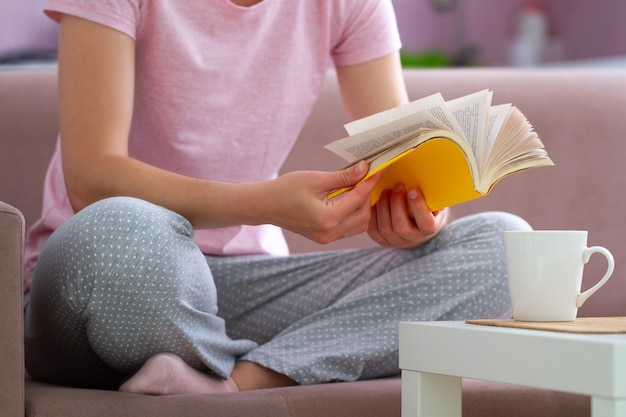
370, 142
396, 113
435, 104
497, 116
517, 147
472, 113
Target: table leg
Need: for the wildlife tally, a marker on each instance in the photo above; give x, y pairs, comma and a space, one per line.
606, 407
426, 395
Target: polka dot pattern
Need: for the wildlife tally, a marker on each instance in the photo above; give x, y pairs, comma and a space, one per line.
123, 280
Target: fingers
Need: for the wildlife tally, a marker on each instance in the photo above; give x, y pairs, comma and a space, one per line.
354, 208
347, 214
423, 217
359, 196
402, 219
351, 176
356, 222
394, 226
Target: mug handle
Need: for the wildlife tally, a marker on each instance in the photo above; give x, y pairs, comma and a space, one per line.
611, 265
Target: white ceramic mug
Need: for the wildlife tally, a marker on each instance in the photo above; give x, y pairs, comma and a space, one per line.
545, 271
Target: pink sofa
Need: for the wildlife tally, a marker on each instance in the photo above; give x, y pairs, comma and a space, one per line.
579, 115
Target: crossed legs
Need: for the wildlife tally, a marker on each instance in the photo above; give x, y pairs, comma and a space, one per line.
121, 290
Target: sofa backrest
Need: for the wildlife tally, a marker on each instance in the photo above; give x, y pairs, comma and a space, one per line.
28, 132
579, 115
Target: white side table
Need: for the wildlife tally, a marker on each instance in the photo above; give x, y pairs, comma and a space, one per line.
434, 356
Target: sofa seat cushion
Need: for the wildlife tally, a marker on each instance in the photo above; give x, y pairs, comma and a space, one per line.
491, 399
380, 398
346, 399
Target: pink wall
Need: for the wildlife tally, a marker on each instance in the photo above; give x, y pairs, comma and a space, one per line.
24, 27
582, 28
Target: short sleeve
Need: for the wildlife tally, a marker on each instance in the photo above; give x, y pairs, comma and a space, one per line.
369, 31
121, 15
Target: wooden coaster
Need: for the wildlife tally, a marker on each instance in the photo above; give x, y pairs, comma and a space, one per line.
598, 325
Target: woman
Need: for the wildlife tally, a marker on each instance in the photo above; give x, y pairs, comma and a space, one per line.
173, 275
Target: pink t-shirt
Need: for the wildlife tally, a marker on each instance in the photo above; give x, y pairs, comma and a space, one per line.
222, 91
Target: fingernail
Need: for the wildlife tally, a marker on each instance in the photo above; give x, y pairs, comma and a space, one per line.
399, 188
358, 168
412, 194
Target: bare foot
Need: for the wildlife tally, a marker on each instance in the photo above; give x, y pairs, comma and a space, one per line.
250, 375
166, 374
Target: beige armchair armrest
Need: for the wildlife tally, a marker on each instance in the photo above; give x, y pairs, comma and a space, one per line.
11, 311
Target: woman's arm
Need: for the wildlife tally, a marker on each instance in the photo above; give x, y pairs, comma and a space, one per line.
400, 218
96, 85
373, 86
96, 82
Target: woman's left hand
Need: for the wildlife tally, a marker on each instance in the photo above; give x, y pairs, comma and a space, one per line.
401, 219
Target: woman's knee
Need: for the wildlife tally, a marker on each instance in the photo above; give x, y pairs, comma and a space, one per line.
118, 242
118, 267
127, 217
503, 221
120, 226
488, 225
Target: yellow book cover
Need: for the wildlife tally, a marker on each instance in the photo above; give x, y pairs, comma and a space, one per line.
434, 145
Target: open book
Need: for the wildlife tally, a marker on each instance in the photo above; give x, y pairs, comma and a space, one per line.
453, 151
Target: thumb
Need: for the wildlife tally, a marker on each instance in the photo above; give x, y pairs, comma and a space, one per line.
351, 175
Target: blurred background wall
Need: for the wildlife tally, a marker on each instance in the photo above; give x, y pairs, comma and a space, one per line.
489, 30
434, 32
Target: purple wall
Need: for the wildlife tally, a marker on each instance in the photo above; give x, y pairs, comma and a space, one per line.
24, 27
581, 29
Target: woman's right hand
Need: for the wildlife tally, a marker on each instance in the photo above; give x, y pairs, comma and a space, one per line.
298, 201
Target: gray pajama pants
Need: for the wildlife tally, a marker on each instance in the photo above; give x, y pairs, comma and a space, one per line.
123, 280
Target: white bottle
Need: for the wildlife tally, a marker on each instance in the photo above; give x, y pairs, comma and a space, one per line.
529, 45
